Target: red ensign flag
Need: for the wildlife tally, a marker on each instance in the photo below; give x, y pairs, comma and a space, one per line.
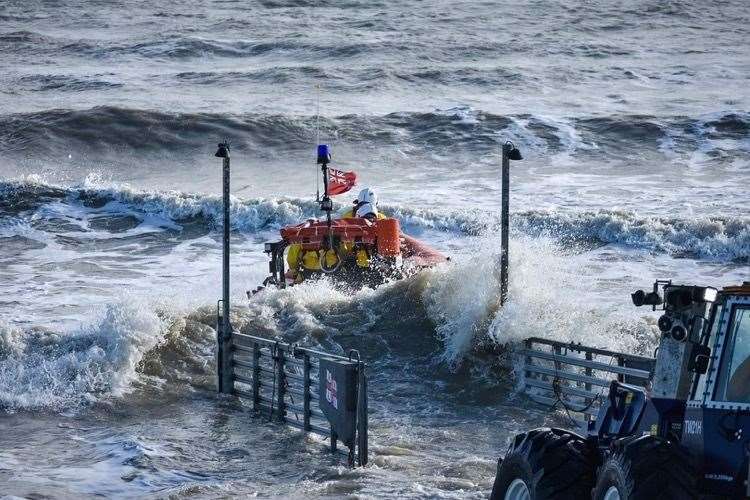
340, 182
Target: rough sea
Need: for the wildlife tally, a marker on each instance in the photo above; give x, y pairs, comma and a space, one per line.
633, 119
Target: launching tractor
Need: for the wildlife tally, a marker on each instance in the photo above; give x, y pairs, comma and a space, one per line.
676, 426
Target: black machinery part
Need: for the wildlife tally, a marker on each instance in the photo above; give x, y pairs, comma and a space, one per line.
553, 463
620, 414
646, 468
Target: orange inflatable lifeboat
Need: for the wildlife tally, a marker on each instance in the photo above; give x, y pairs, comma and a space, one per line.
392, 254
357, 251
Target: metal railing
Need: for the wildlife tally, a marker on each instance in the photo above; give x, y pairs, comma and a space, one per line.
576, 377
283, 381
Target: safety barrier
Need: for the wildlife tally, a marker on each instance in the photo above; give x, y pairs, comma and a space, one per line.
573, 376
310, 390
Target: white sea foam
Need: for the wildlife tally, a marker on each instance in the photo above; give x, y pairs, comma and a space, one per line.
549, 296
40, 368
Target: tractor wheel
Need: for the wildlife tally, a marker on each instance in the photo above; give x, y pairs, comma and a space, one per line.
545, 463
645, 467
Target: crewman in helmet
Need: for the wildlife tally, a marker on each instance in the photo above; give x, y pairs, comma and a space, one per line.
366, 205
303, 262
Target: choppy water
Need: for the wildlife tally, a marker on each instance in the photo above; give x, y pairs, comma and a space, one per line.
634, 123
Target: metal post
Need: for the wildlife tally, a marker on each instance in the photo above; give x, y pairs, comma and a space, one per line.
587, 386
306, 391
557, 351
224, 335
528, 345
326, 204
362, 422
510, 152
281, 390
256, 376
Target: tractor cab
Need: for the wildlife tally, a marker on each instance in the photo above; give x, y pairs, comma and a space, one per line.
716, 428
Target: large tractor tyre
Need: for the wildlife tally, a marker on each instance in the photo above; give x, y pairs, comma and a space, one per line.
645, 468
545, 464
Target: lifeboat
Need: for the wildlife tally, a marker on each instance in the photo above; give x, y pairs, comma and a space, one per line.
355, 251
340, 247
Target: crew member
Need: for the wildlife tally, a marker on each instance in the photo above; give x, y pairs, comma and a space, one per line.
366, 205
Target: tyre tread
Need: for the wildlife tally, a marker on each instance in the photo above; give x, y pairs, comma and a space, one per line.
650, 467
561, 464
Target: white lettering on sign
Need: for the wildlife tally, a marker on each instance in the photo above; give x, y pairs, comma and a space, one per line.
331, 395
693, 427
719, 477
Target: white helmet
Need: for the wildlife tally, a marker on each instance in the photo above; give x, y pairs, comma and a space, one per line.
367, 195
366, 203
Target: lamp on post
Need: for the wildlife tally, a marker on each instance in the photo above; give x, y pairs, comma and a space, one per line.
223, 327
510, 152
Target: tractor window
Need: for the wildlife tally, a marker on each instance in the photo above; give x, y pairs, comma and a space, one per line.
734, 381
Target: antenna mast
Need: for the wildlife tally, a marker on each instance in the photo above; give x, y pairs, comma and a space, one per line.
317, 139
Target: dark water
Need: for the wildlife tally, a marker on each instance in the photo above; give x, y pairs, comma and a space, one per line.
634, 123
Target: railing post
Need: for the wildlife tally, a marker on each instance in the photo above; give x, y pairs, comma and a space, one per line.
306, 391
334, 441
558, 366
528, 345
256, 376
589, 373
362, 422
281, 390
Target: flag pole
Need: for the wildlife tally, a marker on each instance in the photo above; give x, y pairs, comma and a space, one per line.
326, 204
317, 137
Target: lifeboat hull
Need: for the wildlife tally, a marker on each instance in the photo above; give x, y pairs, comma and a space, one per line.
394, 255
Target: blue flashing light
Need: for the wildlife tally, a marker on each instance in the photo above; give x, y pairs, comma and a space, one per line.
324, 154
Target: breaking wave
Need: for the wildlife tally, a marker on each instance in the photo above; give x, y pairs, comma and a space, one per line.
110, 128
721, 238
129, 346
436, 322
450, 315
463, 301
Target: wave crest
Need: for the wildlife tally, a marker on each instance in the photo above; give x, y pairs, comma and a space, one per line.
111, 128
719, 238
722, 238
131, 346
43, 369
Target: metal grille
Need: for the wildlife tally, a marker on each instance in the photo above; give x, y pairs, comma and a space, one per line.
574, 376
281, 380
